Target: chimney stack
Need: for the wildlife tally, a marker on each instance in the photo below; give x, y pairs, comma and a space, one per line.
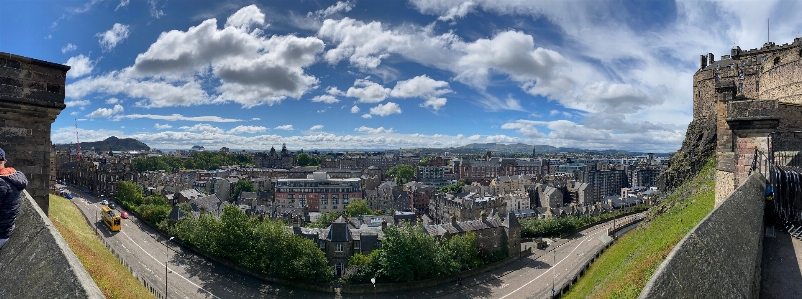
453, 219
710, 58
483, 215
702, 61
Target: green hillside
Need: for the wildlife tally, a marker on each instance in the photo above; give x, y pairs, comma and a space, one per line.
623, 270
110, 144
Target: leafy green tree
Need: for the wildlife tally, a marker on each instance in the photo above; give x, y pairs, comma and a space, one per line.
324, 220
408, 253
402, 173
303, 159
451, 189
239, 187
358, 207
129, 193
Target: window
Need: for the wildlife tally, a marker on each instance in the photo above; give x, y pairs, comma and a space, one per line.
291, 196
339, 247
324, 202
322, 245
777, 60
333, 207
356, 245
334, 201
323, 196
757, 85
740, 87
345, 196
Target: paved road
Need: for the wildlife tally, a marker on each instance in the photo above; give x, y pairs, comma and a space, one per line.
191, 276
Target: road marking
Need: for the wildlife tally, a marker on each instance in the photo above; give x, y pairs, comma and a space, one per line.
162, 265
552, 267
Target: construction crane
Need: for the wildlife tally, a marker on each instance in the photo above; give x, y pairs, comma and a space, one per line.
78, 141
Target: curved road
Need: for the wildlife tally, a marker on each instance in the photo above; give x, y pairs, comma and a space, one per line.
143, 250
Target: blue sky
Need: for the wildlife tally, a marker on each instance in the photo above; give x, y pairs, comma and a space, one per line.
384, 74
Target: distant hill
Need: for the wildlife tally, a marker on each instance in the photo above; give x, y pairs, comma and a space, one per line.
110, 144
520, 148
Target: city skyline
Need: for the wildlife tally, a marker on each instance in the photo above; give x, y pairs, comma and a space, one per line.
385, 75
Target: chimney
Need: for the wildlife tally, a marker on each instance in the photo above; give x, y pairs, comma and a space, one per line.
702, 61
483, 215
453, 219
295, 222
710, 58
384, 224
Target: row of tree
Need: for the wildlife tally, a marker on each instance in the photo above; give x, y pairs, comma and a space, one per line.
198, 160
153, 208
551, 227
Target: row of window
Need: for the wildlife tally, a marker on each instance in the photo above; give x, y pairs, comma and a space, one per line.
334, 197
319, 190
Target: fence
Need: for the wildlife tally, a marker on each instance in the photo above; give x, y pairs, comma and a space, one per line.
784, 169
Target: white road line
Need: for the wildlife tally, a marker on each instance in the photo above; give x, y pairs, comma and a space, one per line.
552, 267
162, 265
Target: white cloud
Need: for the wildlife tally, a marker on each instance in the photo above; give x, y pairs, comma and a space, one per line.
76, 103
354, 109
316, 127
367, 91
69, 47
112, 101
385, 109
256, 119
524, 128
344, 6
246, 17
332, 90
474, 138
285, 128
378, 130
106, 112
123, 3
325, 98
247, 129
420, 86
155, 93
109, 39
162, 127
458, 11
79, 65
154, 11
367, 115
434, 103
205, 128
177, 117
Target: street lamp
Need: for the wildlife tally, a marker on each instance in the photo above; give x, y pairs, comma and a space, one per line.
373, 281
167, 253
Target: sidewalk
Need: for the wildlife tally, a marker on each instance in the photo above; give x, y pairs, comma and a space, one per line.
781, 267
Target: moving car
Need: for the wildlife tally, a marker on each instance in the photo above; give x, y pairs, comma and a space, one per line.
124, 214
104, 202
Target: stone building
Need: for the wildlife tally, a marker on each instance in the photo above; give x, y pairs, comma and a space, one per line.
463, 206
31, 97
754, 96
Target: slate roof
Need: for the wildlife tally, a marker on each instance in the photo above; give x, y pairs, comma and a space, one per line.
369, 242
462, 226
339, 232
175, 214
211, 202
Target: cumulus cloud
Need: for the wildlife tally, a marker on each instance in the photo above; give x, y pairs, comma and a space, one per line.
285, 128
74, 113
246, 17
247, 129
340, 6
420, 86
325, 98
110, 38
332, 90
385, 109
76, 103
367, 115
112, 101
367, 91
106, 112
458, 11
177, 117
378, 130
157, 126
434, 103
79, 66
68, 48
316, 127
354, 109
205, 128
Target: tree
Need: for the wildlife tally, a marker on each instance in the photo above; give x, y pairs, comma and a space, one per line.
129, 193
454, 189
239, 187
402, 173
408, 253
324, 220
303, 159
358, 207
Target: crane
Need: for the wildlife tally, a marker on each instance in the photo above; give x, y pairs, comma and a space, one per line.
78, 141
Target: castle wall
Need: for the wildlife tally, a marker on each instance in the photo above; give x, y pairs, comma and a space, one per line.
31, 97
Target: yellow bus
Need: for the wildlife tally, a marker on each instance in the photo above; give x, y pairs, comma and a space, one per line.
111, 219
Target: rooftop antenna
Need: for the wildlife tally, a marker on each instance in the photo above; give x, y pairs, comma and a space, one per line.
768, 31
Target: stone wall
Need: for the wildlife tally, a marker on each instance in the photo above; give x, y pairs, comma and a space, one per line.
31, 97
36, 262
721, 256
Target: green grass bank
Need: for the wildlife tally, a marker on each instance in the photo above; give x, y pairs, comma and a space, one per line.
113, 279
623, 270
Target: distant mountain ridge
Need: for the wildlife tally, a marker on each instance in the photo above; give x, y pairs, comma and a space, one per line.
110, 144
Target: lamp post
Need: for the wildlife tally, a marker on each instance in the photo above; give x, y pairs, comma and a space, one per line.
167, 253
373, 281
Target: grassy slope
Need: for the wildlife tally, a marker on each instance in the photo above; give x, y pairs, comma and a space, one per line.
623, 270
113, 279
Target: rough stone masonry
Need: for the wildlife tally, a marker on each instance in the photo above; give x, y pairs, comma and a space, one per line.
31, 97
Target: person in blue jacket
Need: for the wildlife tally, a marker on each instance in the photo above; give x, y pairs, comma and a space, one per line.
12, 183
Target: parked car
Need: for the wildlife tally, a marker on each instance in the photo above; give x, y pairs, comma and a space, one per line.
104, 202
112, 206
69, 196
124, 214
